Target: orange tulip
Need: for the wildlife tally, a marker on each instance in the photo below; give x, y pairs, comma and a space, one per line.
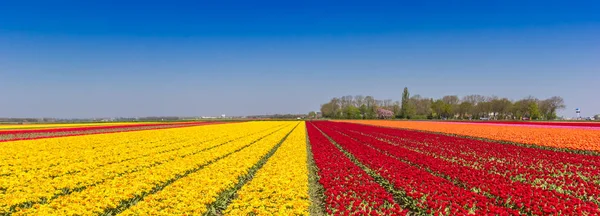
569, 138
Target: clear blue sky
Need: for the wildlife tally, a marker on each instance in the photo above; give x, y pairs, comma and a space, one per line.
141, 58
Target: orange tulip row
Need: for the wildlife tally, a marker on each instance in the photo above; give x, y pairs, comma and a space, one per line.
569, 138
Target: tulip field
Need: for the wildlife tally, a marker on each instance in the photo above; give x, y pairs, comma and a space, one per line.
26, 132
582, 136
301, 168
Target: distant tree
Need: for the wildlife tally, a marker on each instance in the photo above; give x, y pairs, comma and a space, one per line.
438, 108
326, 110
337, 107
407, 106
534, 111
474, 99
351, 112
519, 109
447, 111
372, 112
483, 109
452, 103
479, 108
332, 109
404, 109
346, 101
396, 108
371, 104
421, 106
312, 115
526, 107
410, 112
549, 107
388, 103
363, 111
464, 109
500, 107
359, 100
450, 106
451, 99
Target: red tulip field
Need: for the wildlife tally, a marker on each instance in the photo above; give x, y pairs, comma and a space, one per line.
381, 170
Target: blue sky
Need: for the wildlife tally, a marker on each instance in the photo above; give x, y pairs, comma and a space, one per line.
141, 58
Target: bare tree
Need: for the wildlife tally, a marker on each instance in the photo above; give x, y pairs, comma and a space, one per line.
369, 101
346, 101
359, 100
388, 103
371, 108
421, 105
475, 99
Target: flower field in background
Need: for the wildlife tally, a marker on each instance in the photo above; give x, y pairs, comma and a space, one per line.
83, 129
61, 125
300, 168
568, 138
562, 124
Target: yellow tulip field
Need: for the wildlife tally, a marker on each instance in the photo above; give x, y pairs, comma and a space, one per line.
168, 171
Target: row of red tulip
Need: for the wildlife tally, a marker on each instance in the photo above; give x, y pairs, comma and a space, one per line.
348, 189
432, 193
467, 163
568, 173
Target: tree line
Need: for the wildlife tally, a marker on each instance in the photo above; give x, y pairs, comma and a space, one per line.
447, 107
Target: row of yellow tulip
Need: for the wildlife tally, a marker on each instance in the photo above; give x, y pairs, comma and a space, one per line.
281, 186
151, 158
21, 154
25, 156
191, 194
84, 153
